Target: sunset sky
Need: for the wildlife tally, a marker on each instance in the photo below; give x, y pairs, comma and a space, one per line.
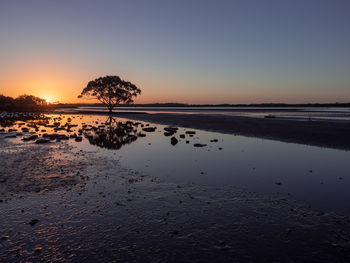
239, 51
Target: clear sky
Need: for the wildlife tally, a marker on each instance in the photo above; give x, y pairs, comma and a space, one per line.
238, 51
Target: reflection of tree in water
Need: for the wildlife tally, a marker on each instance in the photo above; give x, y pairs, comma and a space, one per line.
113, 135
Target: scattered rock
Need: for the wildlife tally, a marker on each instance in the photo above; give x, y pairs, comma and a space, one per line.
42, 141
190, 132
174, 141
30, 138
78, 139
33, 222
182, 136
199, 145
171, 129
149, 129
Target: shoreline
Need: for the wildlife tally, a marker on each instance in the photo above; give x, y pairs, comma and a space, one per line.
327, 134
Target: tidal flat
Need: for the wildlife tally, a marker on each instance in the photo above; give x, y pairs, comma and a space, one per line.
88, 188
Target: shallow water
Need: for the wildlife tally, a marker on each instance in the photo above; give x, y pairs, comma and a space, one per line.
316, 176
293, 113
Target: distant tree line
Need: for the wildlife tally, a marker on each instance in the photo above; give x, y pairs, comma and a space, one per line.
28, 103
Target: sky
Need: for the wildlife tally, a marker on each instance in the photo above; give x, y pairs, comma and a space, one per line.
238, 51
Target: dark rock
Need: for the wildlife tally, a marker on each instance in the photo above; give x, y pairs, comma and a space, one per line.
199, 145
141, 135
174, 141
33, 222
182, 136
214, 140
30, 138
78, 139
149, 129
168, 133
187, 142
42, 141
190, 132
171, 129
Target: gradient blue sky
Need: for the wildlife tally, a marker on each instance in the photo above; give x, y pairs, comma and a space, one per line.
239, 51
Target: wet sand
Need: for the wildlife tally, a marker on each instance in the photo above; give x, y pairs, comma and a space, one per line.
317, 133
62, 204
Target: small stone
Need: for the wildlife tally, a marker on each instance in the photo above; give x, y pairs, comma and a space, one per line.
199, 145
174, 141
33, 222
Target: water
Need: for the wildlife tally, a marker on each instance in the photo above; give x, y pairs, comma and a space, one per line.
312, 175
294, 113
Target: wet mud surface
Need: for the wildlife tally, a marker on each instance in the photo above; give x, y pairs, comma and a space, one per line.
62, 204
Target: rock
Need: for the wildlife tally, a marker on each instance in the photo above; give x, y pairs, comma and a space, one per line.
11, 136
168, 133
214, 140
149, 129
190, 132
175, 232
220, 148
78, 139
141, 135
33, 222
42, 141
199, 145
5, 237
174, 141
187, 142
171, 129
30, 138
182, 136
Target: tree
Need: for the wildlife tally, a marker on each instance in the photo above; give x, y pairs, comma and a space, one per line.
111, 91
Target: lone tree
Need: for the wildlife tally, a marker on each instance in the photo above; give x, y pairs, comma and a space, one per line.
111, 91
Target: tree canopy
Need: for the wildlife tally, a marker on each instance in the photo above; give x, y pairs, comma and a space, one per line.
111, 91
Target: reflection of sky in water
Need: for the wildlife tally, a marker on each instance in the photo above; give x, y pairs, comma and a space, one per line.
317, 176
336, 114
